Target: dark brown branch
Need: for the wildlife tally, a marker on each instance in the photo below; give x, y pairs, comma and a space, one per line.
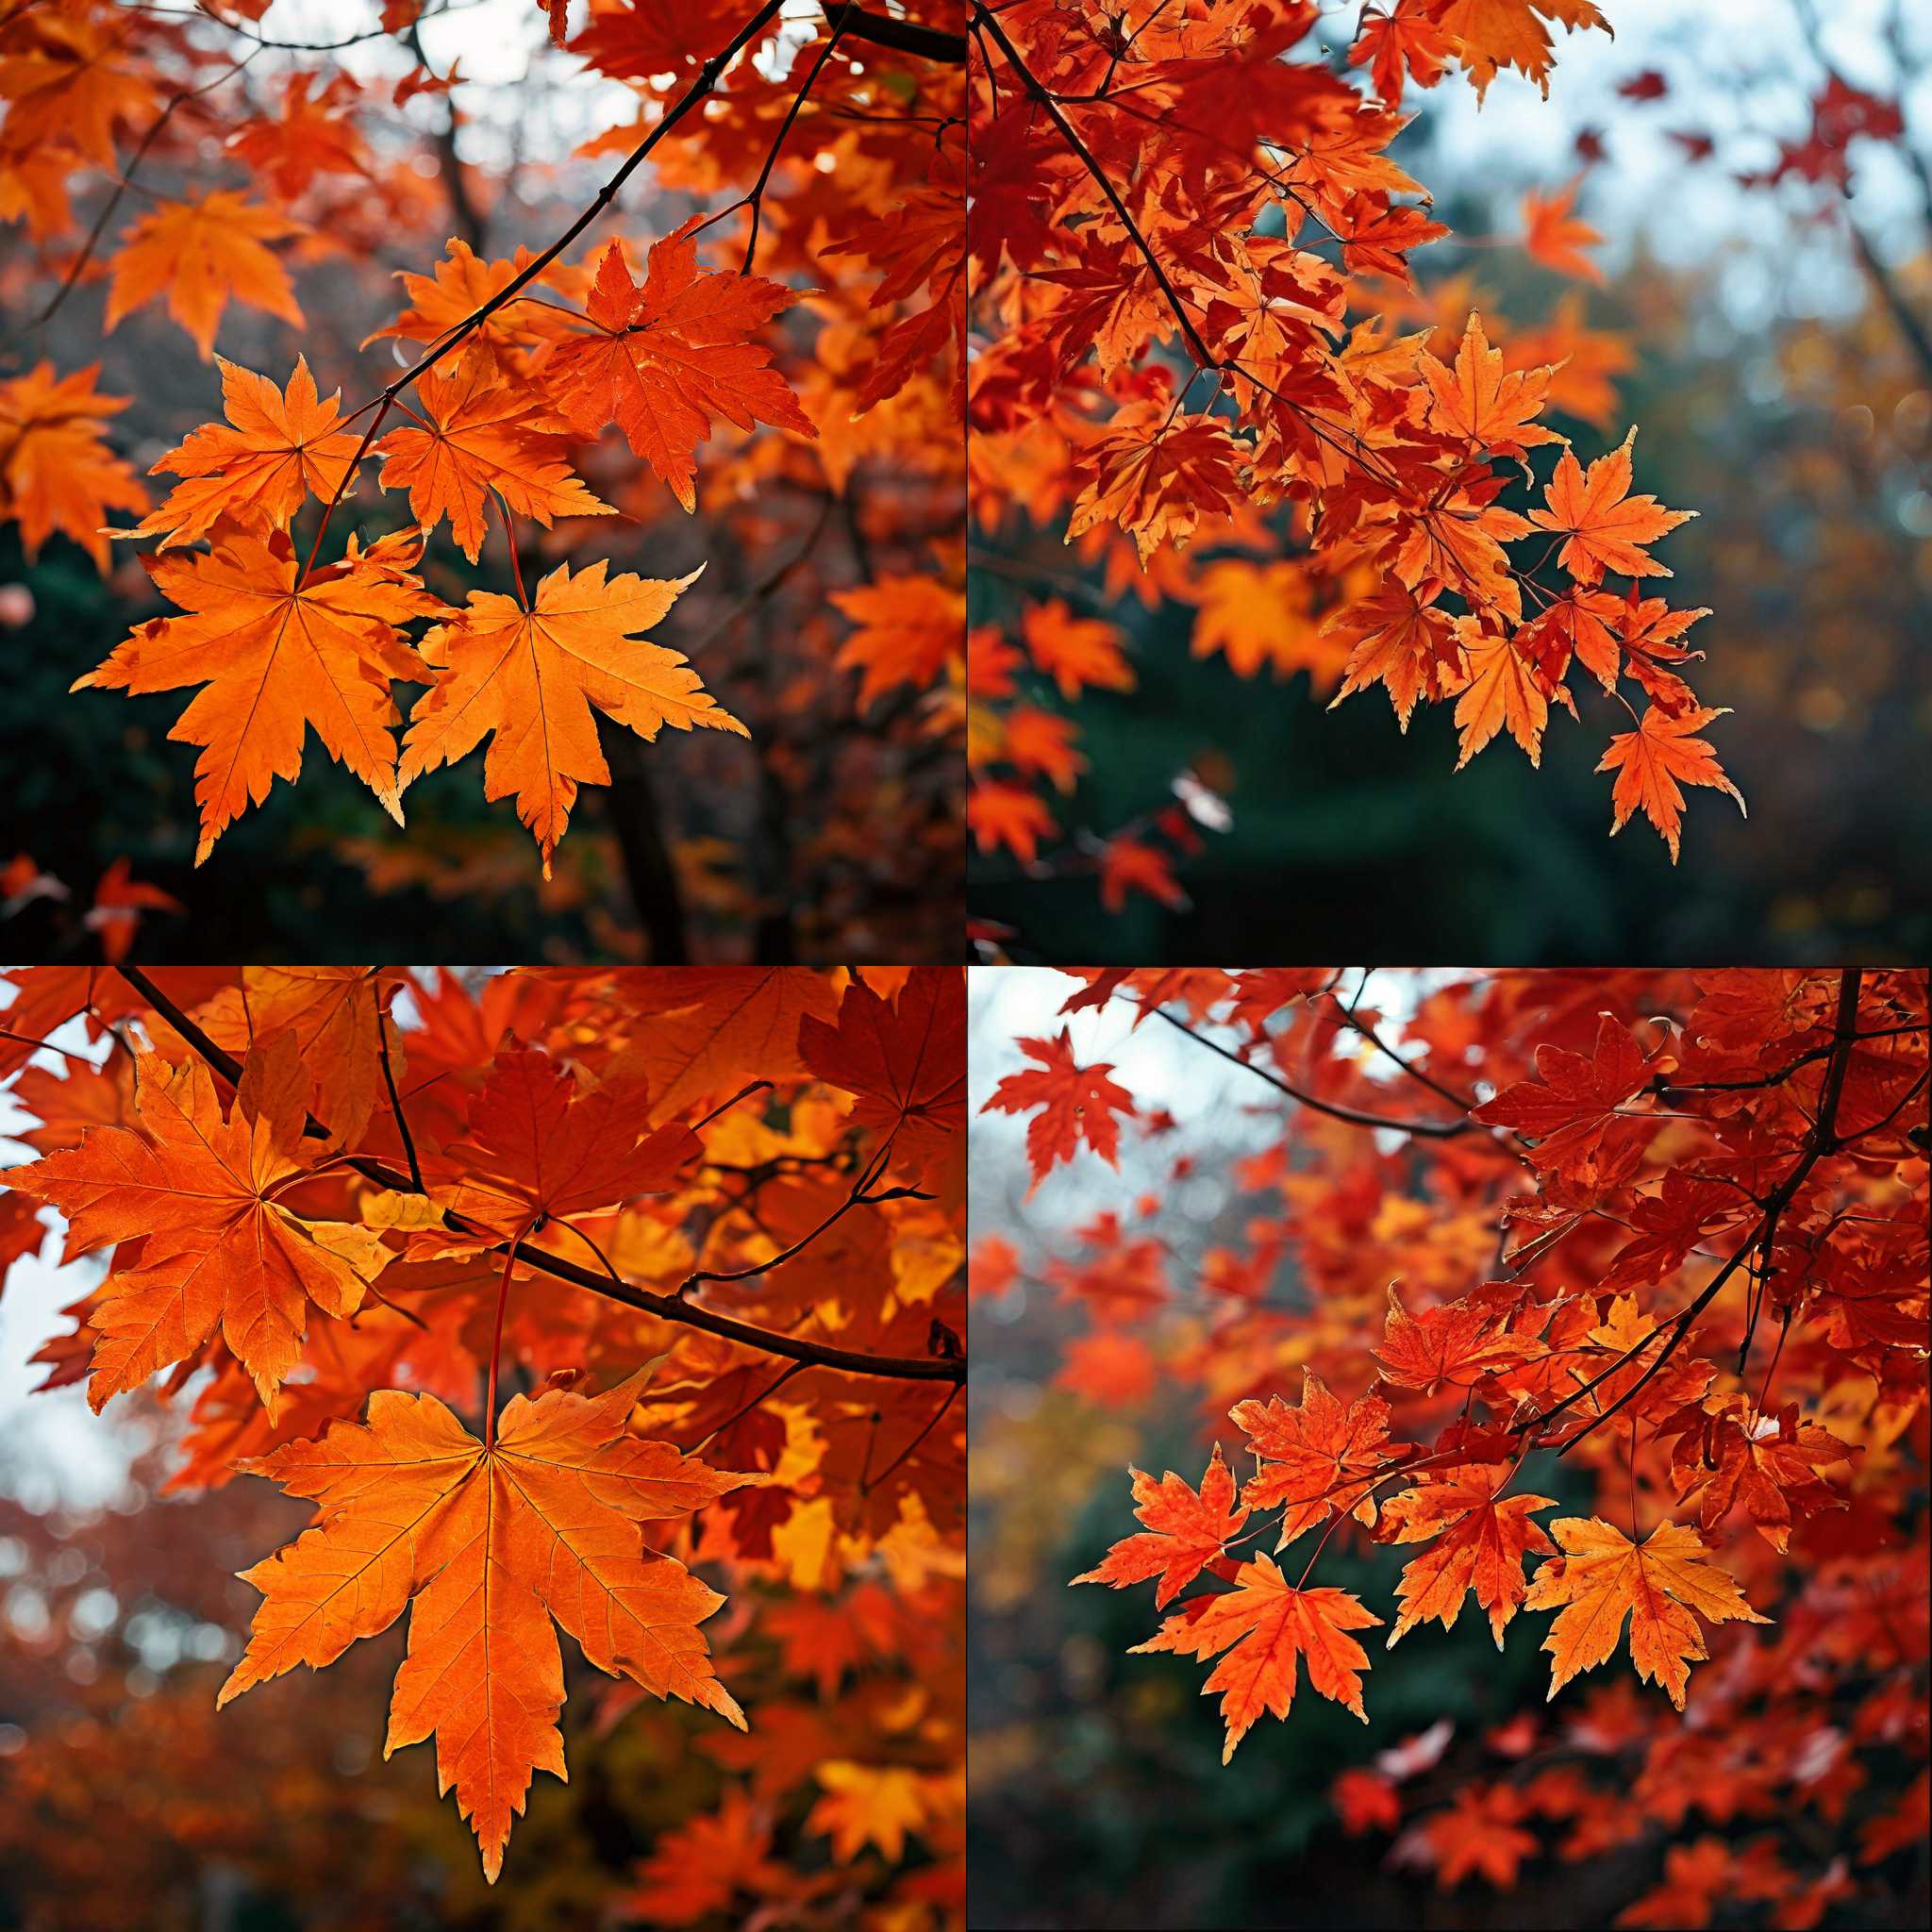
669, 1308
1435, 1130
902, 36
984, 18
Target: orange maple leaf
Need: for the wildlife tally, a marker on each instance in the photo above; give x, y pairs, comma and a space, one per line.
332, 1013
485, 1543
909, 629
720, 1025
1479, 401
1397, 640
204, 254
999, 813
57, 471
904, 1060
867, 1804
1653, 761
1602, 1577
1268, 1623
1488, 35
1456, 1344
1573, 1099
1186, 1531
1263, 613
279, 654
531, 678
672, 354
1318, 1460
1155, 477
1483, 1833
477, 434
1132, 865
1074, 652
1552, 235
1500, 691
278, 450
1076, 1104
217, 1248
1483, 1541
1605, 526
1731, 1453
536, 1149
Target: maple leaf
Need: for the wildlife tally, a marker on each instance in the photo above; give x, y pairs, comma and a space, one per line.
1318, 1460
904, 1062
1074, 652
462, 283
698, 1870
332, 1013
1397, 640
204, 253
1482, 1833
1186, 1531
1482, 1540
1499, 689
1456, 1344
1153, 477
1388, 43
279, 654
909, 629
1552, 235
1602, 1578
57, 471
672, 354
1480, 402
476, 435
120, 899
485, 1543
529, 678
1269, 1624
1604, 527
538, 1150
1076, 1104
1768, 1463
1258, 614
999, 813
717, 1025
1489, 35
1571, 1102
218, 1250
867, 1804
68, 79
279, 450
1128, 865
1654, 761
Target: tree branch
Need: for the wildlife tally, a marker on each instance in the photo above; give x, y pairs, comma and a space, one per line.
903, 36
1435, 1130
669, 1308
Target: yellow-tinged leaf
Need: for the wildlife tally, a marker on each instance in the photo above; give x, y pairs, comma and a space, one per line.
529, 680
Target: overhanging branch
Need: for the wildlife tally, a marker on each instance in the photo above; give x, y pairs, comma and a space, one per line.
669, 1307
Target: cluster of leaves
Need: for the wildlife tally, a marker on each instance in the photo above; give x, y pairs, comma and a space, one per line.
342, 1208
832, 145
1664, 1232
1192, 253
